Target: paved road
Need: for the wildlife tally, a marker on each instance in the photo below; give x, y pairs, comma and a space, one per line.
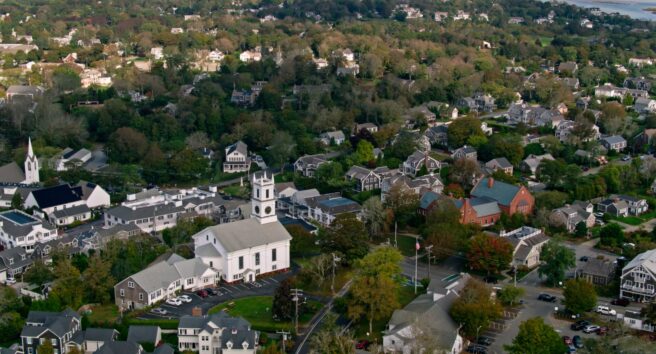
595, 170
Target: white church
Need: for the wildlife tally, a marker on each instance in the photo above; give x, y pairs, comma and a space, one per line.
243, 250
12, 174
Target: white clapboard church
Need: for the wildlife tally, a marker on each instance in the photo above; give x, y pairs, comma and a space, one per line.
245, 249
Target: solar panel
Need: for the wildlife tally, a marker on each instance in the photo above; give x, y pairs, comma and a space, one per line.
18, 218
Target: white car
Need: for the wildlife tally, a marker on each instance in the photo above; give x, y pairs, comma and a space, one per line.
185, 298
159, 311
605, 310
174, 301
590, 329
10, 281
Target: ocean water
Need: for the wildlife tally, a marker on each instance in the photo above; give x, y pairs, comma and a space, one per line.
632, 8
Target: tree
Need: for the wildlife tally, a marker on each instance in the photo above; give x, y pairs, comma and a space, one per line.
17, 201
283, 305
11, 307
510, 295
127, 145
346, 235
555, 259
550, 200
508, 146
331, 340
65, 79
462, 129
613, 118
403, 202
374, 290
464, 172
98, 280
649, 312
580, 229
39, 273
187, 165
490, 254
536, 337
580, 296
363, 153
302, 240
373, 215
45, 348
475, 309
283, 147
611, 235
68, 287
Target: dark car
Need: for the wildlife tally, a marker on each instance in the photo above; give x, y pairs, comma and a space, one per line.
578, 342
211, 291
584, 259
362, 344
579, 325
476, 349
621, 302
202, 293
547, 298
484, 341
490, 280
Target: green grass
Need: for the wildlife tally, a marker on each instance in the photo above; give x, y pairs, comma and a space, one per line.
257, 311
546, 41
631, 220
103, 314
405, 295
236, 191
406, 244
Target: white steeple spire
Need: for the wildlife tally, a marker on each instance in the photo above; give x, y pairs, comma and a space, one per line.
263, 198
31, 165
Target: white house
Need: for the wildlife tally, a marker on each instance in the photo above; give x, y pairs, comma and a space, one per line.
250, 56
638, 279
236, 158
245, 249
18, 229
69, 156
217, 333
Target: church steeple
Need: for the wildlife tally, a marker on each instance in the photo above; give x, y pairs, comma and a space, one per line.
31, 165
263, 199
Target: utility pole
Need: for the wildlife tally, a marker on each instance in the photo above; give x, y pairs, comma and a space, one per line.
284, 339
428, 249
335, 260
416, 258
396, 244
297, 293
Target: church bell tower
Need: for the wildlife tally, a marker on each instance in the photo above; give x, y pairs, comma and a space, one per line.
263, 199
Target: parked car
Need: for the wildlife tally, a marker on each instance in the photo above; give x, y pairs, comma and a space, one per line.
579, 325
185, 298
211, 291
202, 293
584, 259
484, 341
571, 349
567, 340
547, 297
362, 344
605, 310
626, 158
159, 311
476, 349
591, 328
578, 341
10, 281
174, 301
491, 280
602, 330
621, 302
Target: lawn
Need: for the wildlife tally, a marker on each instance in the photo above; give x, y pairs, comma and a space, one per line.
406, 244
257, 311
405, 295
631, 220
236, 191
103, 314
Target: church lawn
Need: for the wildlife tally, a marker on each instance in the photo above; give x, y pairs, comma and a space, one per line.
103, 315
257, 311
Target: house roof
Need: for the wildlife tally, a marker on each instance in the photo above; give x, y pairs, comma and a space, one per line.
239, 147
502, 162
190, 267
358, 172
502, 192
646, 259
72, 211
613, 139
20, 257
427, 199
333, 203
143, 334
247, 233
119, 347
127, 213
17, 223
11, 173
599, 267
57, 195
58, 323
485, 206
100, 334
279, 187
157, 276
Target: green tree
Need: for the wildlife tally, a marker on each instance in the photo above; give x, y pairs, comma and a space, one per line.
580, 296
98, 280
127, 145
649, 312
555, 259
346, 235
331, 340
302, 241
489, 254
17, 201
611, 235
374, 216
550, 200
508, 146
475, 309
187, 165
283, 305
536, 337
39, 273
283, 147
68, 287
581, 229
510, 295
374, 290
45, 348
65, 79
462, 129
364, 153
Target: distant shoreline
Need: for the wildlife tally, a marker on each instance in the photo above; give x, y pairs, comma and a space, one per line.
650, 9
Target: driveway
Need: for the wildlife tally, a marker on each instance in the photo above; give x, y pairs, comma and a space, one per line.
261, 287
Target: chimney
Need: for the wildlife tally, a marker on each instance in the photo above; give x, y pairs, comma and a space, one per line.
490, 182
197, 311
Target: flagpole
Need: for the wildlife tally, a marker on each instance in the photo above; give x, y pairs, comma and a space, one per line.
416, 257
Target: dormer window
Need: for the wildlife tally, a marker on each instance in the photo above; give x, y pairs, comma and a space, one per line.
131, 284
11, 261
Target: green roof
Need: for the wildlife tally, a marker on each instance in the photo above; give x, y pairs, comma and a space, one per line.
501, 192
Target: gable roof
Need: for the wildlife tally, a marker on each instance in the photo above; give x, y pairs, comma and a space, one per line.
143, 334
247, 233
11, 173
57, 195
502, 192
119, 347
502, 162
613, 139
239, 147
646, 259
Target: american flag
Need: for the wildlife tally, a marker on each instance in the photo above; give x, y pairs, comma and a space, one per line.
417, 247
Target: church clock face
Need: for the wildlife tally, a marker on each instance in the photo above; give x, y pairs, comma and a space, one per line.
267, 210
257, 209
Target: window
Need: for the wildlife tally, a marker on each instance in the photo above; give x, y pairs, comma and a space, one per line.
274, 267
53, 341
267, 193
241, 262
207, 237
122, 291
131, 284
257, 193
257, 259
274, 255
30, 350
29, 340
190, 281
141, 297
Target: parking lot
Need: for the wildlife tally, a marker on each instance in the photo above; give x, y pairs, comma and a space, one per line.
226, 292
